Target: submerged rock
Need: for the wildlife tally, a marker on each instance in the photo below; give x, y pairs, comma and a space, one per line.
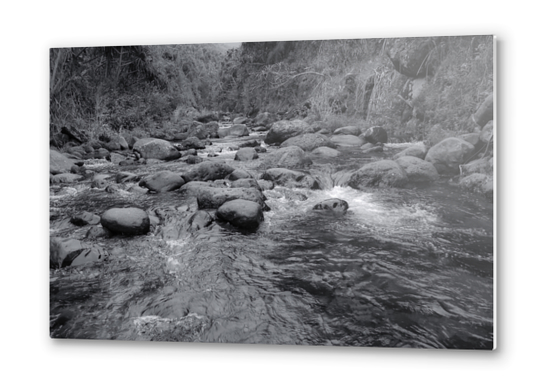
99, 181
383, 173
241, 213
199, 220
72, 252
126, 221
334, 205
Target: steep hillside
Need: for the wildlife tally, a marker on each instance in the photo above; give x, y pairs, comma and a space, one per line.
406, 85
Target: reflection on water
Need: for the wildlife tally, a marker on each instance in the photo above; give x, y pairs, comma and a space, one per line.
402, 268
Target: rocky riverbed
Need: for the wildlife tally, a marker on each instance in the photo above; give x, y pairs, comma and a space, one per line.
274, 234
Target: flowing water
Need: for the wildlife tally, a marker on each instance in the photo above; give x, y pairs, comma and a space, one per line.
402, 268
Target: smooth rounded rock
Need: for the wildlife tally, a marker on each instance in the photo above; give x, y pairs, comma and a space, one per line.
246, 154
164, 181
151, 148
289, 157
346, 140
308, 141
418, 170
282, 130
383, 173
447, 155
240, 213
126, 221
325, 152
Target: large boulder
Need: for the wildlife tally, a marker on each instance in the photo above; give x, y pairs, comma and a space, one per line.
239, 174
126, 221
349, 130
265, 119
332, 205
246, 154
484, 113
376, 135
308, 141
291, 179
246, 183
325, 152
240, 120
483, 165
289, 157
282, 130
204, 131
240, 213
346, 140
418, 170
130, 139
236, 130
416, 150
192, 142
413, 56
473, 138
447, 155
151, 148
59, 163
117, 143
163, 181
72, 252
209, 197
478, 183
208, 170
383, 173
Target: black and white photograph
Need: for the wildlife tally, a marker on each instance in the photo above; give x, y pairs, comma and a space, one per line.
332, 193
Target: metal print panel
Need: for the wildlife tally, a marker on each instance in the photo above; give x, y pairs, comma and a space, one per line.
327, 193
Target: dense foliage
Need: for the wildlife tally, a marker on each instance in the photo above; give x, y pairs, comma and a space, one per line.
339, 82
105, 89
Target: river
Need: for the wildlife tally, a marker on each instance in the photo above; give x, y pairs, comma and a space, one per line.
402, 268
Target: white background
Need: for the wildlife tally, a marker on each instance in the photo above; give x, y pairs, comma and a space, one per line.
30, 28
